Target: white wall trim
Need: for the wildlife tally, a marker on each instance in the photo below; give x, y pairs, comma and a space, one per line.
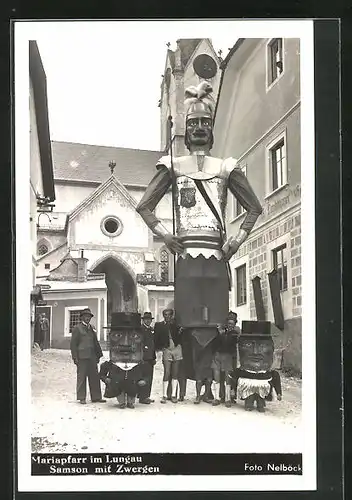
268, 147
233, 216
269, 86
243, 311
72, 295
67, 318
105, 312
98, 318
155, 288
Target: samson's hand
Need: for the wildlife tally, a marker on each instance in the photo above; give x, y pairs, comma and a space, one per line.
173, 243
232, 244
230, 248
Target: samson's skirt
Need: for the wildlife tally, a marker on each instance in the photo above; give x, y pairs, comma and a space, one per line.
201, 292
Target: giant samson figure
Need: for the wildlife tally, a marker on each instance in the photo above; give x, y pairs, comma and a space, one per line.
200, 185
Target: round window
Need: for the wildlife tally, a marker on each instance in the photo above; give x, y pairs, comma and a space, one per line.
111, 226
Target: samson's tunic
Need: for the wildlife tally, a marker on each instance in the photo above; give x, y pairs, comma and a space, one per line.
237, 184
201, 281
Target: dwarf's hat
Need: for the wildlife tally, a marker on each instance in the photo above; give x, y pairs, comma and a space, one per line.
125, 321
254, 329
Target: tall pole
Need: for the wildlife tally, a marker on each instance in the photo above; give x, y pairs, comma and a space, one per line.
173, 189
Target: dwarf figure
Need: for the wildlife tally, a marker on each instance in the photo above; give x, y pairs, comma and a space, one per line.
254, 380
200, 185
225, 349
124, 373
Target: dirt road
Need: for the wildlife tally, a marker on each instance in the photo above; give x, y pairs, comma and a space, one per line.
60, 424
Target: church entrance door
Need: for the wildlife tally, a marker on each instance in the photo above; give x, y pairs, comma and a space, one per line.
122, 290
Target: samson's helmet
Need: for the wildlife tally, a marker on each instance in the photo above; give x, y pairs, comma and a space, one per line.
199, 113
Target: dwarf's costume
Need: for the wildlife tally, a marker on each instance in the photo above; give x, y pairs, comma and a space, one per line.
254, 381
200, 186
124, 373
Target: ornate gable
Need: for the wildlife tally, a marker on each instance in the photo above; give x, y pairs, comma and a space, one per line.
107, 218
110, 189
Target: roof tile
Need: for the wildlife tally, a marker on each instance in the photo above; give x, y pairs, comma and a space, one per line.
85, 162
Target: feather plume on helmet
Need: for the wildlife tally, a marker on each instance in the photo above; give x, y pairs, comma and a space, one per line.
199, 101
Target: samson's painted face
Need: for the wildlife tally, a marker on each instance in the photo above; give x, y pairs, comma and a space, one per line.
256, 354
126, 346
199, 130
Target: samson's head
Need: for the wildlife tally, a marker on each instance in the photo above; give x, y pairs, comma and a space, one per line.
256, 346
125, 338
199, 111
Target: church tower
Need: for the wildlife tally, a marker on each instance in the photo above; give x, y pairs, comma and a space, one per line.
193, 60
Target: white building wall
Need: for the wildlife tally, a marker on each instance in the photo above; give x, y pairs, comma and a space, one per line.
36, 181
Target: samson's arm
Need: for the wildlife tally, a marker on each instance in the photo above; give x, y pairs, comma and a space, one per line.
155, 191
243, 192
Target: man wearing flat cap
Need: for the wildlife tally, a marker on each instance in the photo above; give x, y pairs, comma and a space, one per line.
149, 357
86, 353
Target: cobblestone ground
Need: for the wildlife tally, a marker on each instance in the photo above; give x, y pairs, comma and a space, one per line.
60, 424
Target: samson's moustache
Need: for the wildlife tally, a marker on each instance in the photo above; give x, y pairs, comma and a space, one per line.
124, 349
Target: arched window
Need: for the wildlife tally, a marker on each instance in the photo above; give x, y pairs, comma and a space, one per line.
164, 266
43, 249
43, 246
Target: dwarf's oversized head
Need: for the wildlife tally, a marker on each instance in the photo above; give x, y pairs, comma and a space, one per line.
199, 110
125, 338
256, 346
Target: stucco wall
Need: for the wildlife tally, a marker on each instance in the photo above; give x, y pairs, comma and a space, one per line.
58, 340
69, 196
158, 301
255, 109
53, 259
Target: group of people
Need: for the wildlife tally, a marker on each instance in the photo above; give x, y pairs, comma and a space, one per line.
167, 338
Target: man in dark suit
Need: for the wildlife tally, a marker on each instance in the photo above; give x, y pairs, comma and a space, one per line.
167, 338
86, 353
149, 358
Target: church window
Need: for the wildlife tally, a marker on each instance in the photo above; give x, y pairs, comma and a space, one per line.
164, 266
43, 249
111, 226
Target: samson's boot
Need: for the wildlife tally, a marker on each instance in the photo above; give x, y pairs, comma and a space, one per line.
130, 402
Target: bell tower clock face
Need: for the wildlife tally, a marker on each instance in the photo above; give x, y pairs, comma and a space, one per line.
205, 66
